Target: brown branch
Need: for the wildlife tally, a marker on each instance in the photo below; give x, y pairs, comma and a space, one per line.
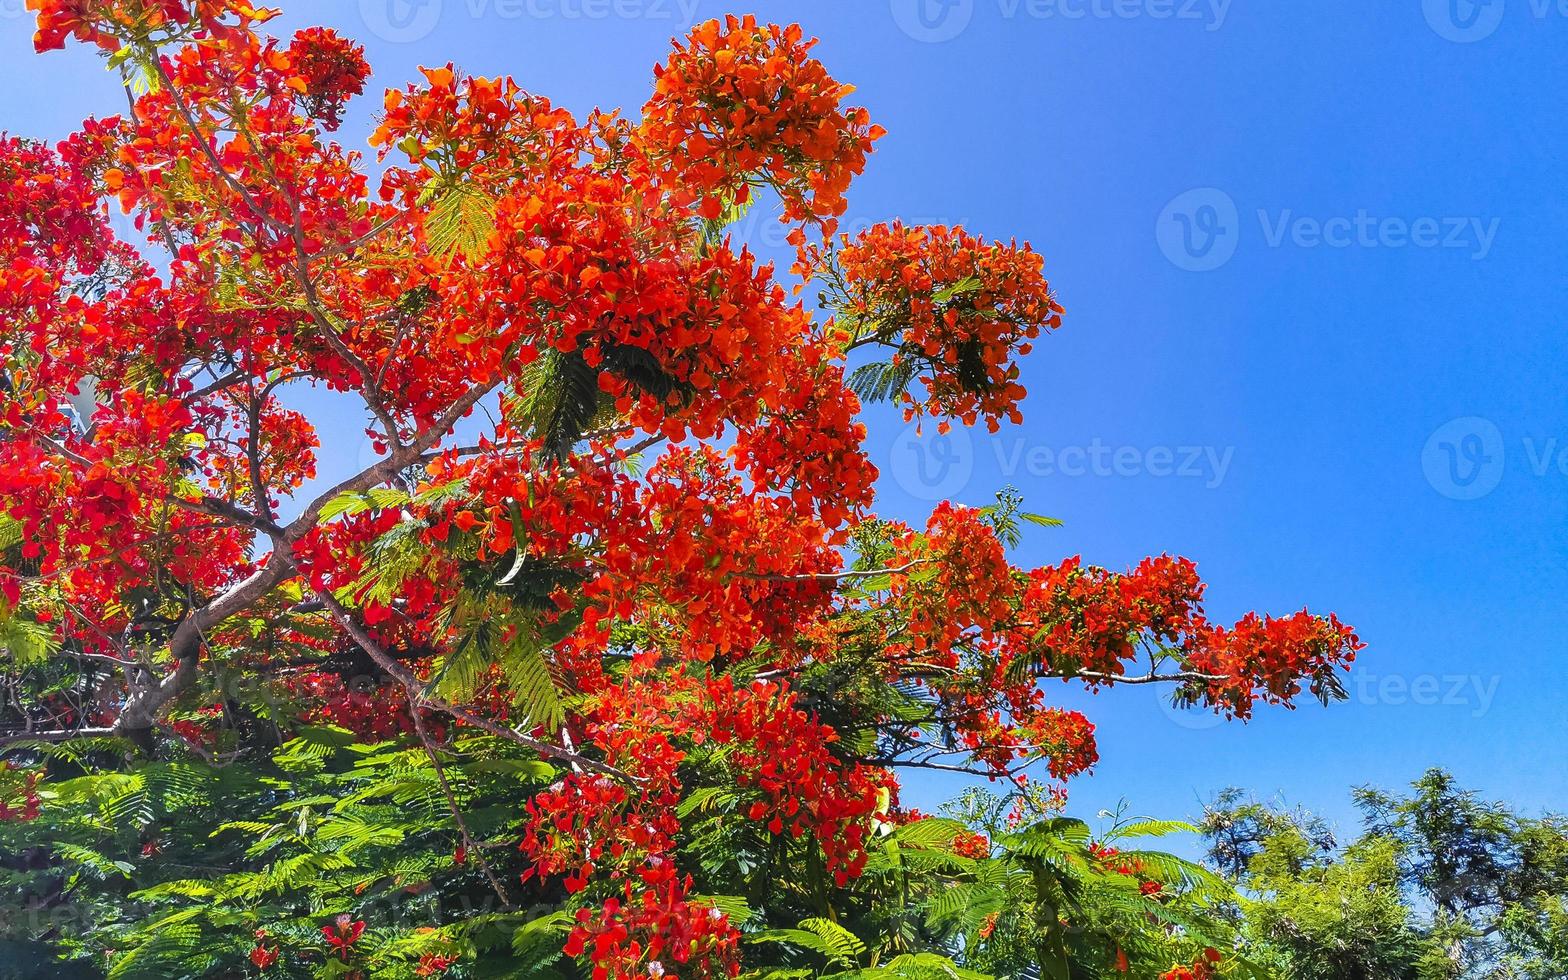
451, 801
218, 384
903, 569
1180, 677
62, 735
344, 248
189, 118
142, 708
419, 695
943, 767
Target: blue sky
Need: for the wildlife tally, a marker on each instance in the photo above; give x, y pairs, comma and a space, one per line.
1312, 258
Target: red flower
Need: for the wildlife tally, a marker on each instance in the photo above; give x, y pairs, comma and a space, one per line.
433, 964
342, 934
328, 71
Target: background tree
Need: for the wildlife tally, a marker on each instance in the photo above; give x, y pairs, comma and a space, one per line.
1440, 884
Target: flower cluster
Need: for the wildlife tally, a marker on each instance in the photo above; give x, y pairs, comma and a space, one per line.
957, 309
1065, 739
328, 70
342, 934
375, 712
1089, 619
1090, 622
648, 725
434, 965
19, 800
971, 845
108, 25
740, 103
653, 931
263, 956
963, 582
1205, 967
1267, 658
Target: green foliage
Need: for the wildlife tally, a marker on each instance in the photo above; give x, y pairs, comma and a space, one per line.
168, 869
1007, 517
460, 220
560, 399
1440, 885
1052, 899
882, 381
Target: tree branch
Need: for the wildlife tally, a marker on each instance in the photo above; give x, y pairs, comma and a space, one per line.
418, 695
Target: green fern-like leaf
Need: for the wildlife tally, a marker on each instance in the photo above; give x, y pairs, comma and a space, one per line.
882, 381
560, 397
460, 222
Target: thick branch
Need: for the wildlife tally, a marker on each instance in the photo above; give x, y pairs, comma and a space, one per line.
418, 695
142, 708
1180, 677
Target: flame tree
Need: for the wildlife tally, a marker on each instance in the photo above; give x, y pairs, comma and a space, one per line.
617, 528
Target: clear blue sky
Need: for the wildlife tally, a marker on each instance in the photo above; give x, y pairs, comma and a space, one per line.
1301, 239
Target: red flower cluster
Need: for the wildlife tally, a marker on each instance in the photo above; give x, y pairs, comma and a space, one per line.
1064, 738
742, 102
784, 754
327, 71
1090, 622
263, 956
1264, 658
646, 727
376, 712
109, 24
654, 931
1205, 967
1111, 858
19, 800
963, 581
342, 934
1090, 619
434, 964
971, 845
959, 308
